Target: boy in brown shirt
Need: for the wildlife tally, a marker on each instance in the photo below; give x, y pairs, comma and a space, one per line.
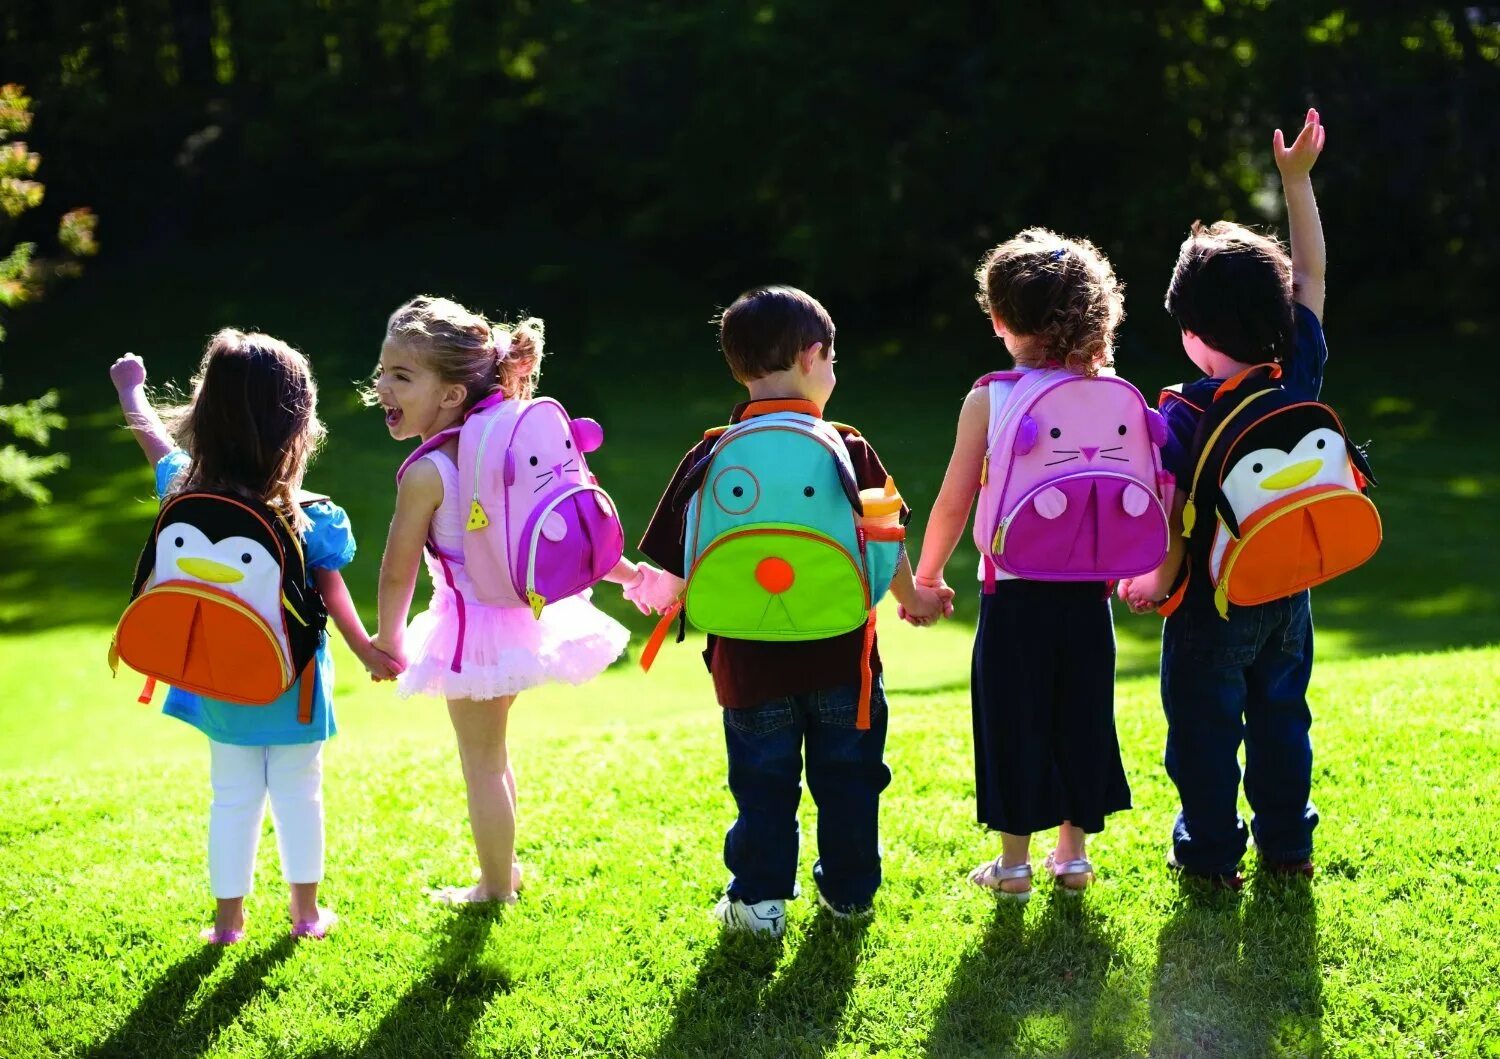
779, 696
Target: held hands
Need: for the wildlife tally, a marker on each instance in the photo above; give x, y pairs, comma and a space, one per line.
382, 659
934, 600
127, 373
652, 590
1141, 594
1298, 159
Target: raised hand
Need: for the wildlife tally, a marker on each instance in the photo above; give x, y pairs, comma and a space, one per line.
1298, 159
127, 373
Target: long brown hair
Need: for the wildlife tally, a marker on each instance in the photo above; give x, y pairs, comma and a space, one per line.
1060, 292
461, 346
252, 424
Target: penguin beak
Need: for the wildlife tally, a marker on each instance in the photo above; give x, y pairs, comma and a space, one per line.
1291, 476
208, 570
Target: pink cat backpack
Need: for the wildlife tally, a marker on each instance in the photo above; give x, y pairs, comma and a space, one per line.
539, 527
1072, 486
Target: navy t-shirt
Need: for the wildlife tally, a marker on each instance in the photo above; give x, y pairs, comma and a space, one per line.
1301, 374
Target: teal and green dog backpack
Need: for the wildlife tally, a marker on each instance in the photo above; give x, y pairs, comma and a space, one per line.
777, 545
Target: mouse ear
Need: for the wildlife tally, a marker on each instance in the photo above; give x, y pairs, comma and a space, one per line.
588, 435
1156, 426
1025, 435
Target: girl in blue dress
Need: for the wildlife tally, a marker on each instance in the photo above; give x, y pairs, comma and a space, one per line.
251, 428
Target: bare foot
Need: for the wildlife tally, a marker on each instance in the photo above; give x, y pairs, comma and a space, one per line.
478, 894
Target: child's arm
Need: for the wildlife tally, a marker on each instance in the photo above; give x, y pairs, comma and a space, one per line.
625, 572
1145, 592
1309, 255
346, 619
920, 604
417, 499
129, 376
950, 512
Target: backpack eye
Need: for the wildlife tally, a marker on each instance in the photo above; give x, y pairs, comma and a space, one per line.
735, 491
1257, 468
533, 461
809, 491
1122, 430
1322, 443
1056, 433
178, 542
567, 444
245, 558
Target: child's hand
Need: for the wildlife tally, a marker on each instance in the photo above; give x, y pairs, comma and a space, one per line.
1298, 159
127, 373
927, 607
385, 651
1139, 593
632, 588
379, 664
656, 591
944, 593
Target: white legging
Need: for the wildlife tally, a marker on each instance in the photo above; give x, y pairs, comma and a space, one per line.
241, 777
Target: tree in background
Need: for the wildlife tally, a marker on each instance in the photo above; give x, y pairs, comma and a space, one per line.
23, 275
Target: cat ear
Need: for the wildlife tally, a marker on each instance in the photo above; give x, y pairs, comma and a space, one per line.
1025, 436
510, 467
588, 435
1156, 426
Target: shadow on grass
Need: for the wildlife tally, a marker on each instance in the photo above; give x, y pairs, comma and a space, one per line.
1057, 968
437, 1014
158, 1025
730, 1009
1234, 981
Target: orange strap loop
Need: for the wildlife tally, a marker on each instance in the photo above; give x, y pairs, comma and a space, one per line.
866, 677
659, 635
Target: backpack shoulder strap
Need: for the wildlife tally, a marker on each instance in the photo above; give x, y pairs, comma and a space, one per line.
1266, 373
434, 442
1174, 393
996, 376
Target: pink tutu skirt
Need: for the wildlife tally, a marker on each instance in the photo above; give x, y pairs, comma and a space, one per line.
505, 649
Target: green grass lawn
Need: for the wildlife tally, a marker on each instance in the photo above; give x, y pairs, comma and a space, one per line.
1393, 950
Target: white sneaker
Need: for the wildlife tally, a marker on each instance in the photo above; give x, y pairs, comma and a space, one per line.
763, 917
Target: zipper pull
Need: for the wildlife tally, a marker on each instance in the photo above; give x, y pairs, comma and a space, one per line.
1189, 516
984, 471
478, 520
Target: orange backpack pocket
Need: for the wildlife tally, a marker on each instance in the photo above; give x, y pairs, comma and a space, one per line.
202, 639
1300, 541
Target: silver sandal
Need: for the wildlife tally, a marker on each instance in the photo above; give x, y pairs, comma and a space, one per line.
1081, 866
991, 874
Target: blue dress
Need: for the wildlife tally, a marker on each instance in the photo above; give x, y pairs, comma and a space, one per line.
329, 545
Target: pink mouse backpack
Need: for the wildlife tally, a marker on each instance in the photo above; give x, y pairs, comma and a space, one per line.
1072, 486
539, 528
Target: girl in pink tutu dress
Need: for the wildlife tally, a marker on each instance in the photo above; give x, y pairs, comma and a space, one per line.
439, 360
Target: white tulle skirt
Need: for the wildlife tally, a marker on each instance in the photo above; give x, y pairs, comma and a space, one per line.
505, 649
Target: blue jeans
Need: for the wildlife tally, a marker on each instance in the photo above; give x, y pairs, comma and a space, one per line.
1227, 682
845, 773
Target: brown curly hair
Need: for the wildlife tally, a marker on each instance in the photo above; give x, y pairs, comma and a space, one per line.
1061, 293
463, 347
251, 425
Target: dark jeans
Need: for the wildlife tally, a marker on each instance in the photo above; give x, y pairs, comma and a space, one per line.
1224, 682
845, 774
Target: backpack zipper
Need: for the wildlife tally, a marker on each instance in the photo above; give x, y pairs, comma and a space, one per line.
224, 598
537, 602
997, 546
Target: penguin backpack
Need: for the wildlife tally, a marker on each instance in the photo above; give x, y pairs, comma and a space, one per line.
779, 544
1277, 500
221, 605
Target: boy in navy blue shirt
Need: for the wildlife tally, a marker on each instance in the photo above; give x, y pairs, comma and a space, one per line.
1240, 300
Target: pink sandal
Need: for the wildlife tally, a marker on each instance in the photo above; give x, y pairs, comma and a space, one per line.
1060, 870
990, 875
316, 929
215, 936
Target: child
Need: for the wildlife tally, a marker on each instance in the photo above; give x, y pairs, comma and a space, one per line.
252, 428
1241, 301
437, 362
775, 696
1045, 750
